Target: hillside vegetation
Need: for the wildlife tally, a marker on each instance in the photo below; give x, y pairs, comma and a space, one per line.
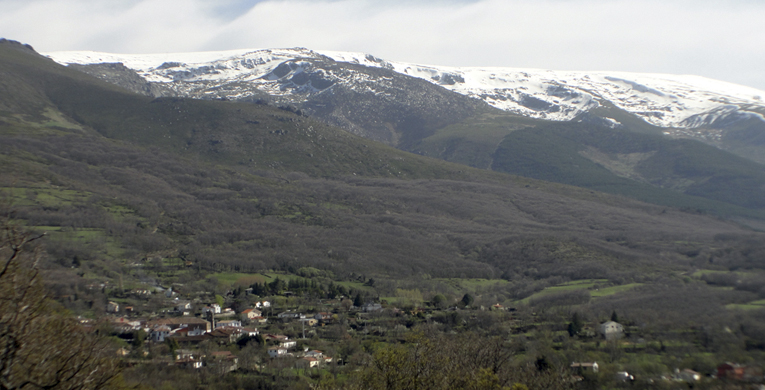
241, 186
635, 161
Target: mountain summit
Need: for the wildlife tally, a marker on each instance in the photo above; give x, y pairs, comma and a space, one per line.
685, 106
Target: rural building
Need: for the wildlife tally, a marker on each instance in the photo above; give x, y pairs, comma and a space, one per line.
738, 372
277, 352
250, 314
112, 307
585, 367
612, 330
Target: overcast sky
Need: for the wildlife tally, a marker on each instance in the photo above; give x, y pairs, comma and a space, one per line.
713, 38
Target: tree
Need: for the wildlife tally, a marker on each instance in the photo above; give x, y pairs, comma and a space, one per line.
357, 301
575, 326
139, 336
172, 345
439, 301
40, 348
464, 361
467, 299
277, 285
220, 300
614, 317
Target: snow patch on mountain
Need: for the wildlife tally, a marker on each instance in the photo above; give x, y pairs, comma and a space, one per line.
660, 99
663, 100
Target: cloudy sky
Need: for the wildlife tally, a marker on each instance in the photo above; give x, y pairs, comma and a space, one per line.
713, 38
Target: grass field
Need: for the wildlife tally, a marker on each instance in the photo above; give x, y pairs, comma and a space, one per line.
470, 285
231, 278
703, 272
603, 292
86, 236
754, 305
46, 197
356, 285
586, 284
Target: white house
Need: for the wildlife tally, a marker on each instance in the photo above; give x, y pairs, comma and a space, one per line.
314, 354
214, 308
190, 330
308, 362
277, 352
228, 324
611, 330
159, 333
182, 306
371, 307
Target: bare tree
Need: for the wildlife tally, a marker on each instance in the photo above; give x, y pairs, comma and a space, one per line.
41, 348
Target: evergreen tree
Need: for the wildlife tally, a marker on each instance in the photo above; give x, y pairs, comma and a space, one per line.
614, 317
357, 301
139, 336
258, 289
575, 326
172, 344
276, 286
332, 291
467, 299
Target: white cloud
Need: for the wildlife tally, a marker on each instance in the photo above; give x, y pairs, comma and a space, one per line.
719, 39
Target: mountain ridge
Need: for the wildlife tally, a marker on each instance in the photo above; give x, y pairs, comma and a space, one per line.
687, 91
725, 115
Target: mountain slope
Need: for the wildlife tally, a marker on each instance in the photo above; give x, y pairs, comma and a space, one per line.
379, 100
642, 166
117, 196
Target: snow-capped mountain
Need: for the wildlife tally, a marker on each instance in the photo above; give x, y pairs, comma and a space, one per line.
686, 106
598, 130
660, 99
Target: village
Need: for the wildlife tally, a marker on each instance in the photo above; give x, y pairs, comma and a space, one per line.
241, 332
